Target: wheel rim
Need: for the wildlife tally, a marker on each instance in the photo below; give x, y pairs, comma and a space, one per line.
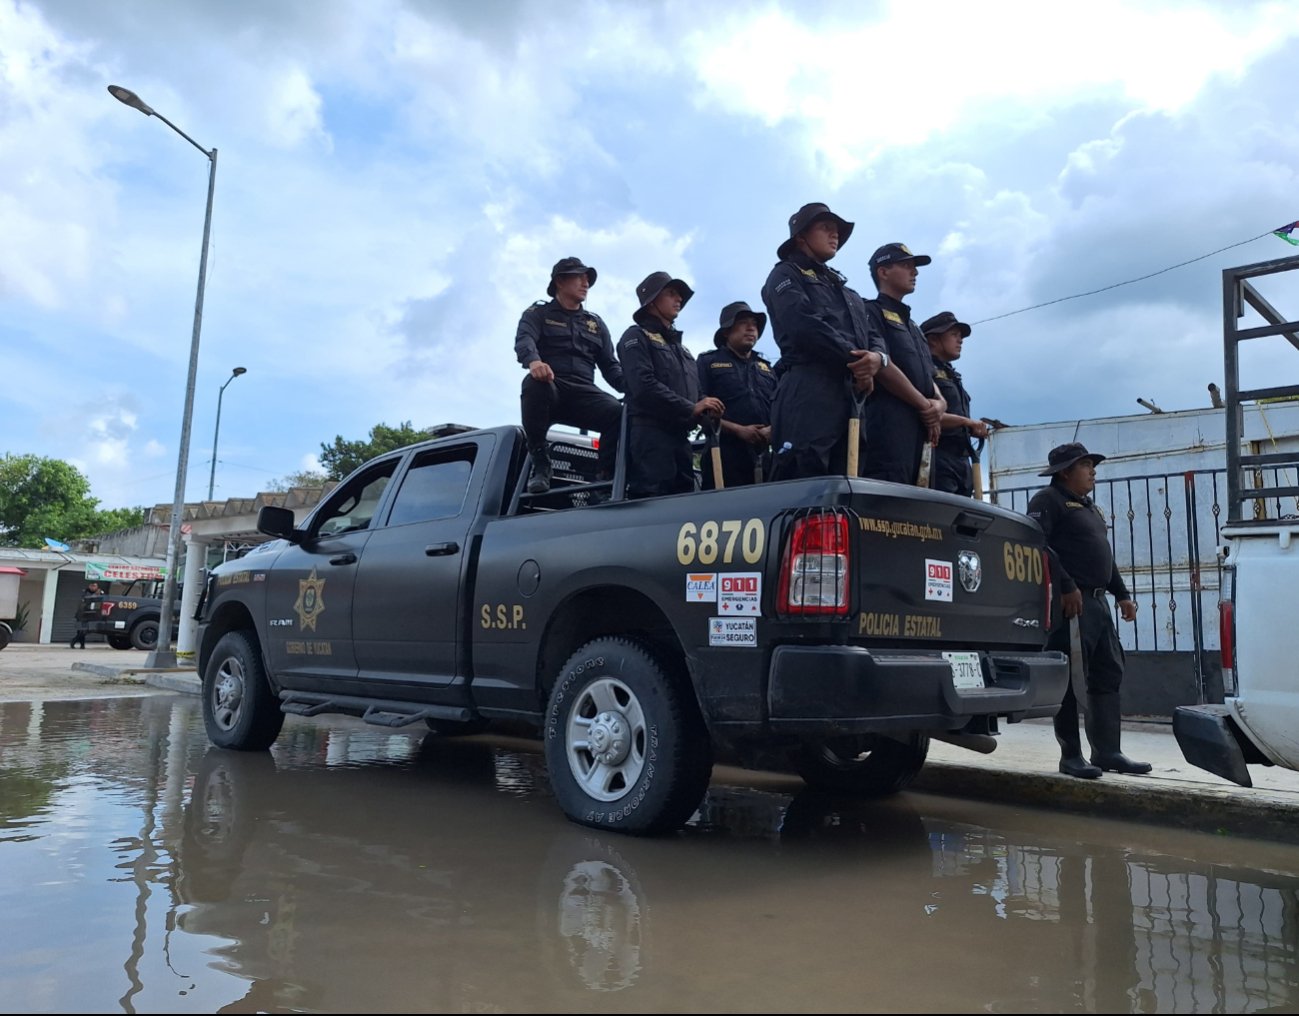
228, 693
149, 636
605, 739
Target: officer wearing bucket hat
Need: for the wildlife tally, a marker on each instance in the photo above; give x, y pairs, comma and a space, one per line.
952, 454
906, 409
828, 348
663, 402
561, 343
1083, 570
744, 380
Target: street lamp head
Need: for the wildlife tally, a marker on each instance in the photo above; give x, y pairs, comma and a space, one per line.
130, 98
238, 370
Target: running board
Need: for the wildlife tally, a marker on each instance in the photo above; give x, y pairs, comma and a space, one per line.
380, 714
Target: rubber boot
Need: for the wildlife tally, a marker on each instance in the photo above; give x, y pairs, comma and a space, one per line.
1072, 762
1104, 730
540, 482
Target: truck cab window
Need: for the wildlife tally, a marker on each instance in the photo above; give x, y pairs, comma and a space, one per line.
434, 487
353, 506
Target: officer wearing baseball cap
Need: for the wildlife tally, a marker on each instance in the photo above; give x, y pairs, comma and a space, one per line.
906, 410
1083, 571
953, 453
663, 403
738, 375
561, 343
828, 348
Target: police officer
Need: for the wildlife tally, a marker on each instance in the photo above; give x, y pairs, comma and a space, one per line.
1083, 569
827, 347
953, 454
906, 409
663, 403
744, 381
561, 343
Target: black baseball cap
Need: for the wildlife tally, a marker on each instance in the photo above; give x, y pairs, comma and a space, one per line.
942, 321
730, 313
892, 252
655, 283
1061, 457
804, 217
569, 266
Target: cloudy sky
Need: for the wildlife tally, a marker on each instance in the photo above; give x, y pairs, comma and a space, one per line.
395, 178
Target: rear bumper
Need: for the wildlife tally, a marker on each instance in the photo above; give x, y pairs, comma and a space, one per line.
859, 689
1210, 740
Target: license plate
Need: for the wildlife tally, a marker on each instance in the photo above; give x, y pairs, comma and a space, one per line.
966, 672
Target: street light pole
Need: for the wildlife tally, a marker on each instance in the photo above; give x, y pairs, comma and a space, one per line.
211, 480
163, 655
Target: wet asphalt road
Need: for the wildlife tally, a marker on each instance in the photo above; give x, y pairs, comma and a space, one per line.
362, 870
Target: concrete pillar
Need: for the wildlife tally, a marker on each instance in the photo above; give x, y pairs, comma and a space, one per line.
48, 592
187, 627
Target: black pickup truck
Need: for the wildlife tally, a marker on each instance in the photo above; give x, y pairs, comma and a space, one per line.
129, 617
828, 626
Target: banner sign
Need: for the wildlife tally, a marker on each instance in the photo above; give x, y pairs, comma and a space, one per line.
124, 572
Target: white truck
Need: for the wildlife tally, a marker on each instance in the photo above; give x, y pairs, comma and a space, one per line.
1257, 723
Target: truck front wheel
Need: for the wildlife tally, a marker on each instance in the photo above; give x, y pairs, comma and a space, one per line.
865, 766
625, 745
120, 641
239, 709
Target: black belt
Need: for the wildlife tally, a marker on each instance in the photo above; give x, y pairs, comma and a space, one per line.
1097, 591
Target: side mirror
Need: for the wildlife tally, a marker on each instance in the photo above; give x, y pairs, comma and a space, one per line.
275, 521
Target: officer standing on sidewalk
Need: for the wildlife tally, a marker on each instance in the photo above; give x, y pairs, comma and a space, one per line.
663, 403
561, 343
1083, 569
952, 455
744, 380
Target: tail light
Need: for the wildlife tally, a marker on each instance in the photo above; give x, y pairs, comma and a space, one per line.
814, 573
1046, 582
106, 608
1227, 640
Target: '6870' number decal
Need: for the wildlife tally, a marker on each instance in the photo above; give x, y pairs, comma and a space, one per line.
721, 542
1023, 563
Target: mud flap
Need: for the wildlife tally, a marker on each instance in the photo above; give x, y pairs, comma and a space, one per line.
1210, 741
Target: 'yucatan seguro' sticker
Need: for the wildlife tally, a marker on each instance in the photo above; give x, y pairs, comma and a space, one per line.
733, 631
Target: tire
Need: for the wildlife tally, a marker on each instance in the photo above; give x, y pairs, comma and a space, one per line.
863, 766
456, 728
121, 641
145, 635
626, 748
239, 709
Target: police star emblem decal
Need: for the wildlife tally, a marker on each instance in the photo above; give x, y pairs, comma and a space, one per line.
311, 601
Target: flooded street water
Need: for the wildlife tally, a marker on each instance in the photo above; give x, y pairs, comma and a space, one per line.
363, 870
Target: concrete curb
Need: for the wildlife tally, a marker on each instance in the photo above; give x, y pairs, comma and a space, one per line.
1135, 798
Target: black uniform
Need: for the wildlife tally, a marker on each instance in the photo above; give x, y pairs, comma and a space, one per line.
818, 321
1082, 559
952, 457
662, 389
747, 387
896, 435
573, 343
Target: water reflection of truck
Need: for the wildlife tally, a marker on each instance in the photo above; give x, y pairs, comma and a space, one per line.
1257, 723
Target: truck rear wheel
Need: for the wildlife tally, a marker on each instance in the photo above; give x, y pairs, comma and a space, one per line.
239, 709
864, 766
145, 635
625, 745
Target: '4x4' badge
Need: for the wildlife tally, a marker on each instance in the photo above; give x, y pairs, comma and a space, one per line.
311, 601
970, 570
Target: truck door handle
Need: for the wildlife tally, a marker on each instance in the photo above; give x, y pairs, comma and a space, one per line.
441, 549
348, 558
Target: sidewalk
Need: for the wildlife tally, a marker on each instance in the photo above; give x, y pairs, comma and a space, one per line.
1022, 771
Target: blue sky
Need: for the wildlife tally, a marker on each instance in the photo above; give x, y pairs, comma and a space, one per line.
396, 177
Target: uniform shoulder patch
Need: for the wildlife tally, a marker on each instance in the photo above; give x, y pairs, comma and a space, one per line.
552, 321
783, 284
894, 316
720, 365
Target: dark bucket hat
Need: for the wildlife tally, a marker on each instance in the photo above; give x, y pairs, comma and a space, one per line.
727, 320
655, 283
569, 266
942, 321
892, 252
1061, 457
807, 215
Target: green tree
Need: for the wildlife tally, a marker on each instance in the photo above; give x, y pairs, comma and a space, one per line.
302, 478
42, 497
342, 456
